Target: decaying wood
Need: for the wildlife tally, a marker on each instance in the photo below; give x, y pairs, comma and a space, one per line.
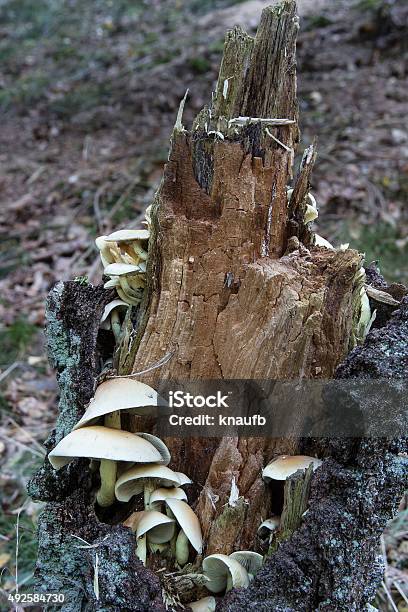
225, 301
234, 291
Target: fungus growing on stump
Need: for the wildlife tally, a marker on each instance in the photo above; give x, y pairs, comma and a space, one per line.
108, 446
224, 573
144, 478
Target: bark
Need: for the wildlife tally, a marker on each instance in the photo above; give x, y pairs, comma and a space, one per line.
235, 290
225, 300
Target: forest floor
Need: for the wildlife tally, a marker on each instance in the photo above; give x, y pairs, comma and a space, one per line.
89, 94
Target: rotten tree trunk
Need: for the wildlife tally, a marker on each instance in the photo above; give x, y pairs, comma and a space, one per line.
226, 301
235, 290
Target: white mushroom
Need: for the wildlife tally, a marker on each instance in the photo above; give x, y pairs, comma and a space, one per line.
160, 495
206, 604
109, 308
99, 442
322, 242
183, 479
190, 529
250, 560
284, 466
150, 526
311, 214
121, 394
104, 251
109, 445
268, 527
365, 321
124, 269
112, 283
159, 444
144, 478
111, 312
224, 573
112, 397
128, 235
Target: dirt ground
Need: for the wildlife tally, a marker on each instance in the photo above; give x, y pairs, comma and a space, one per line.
89, 94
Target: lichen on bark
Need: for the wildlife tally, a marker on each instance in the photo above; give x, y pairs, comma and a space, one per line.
68, 523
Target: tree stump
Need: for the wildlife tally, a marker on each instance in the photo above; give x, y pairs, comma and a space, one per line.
236, 290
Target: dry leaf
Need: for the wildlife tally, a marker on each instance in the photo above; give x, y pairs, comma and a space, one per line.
4, 559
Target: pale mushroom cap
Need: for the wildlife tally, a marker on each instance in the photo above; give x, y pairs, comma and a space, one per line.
284, 466
111, 306
206, 604
127, 235
159, 495
312, 200
322, 242
249, 559
98, 442
133, 480
121, 394
271, 524
311, 213
217, 568
183, 479
100, 242
188, 522
119, 269
112, 283
104, 251
158, 527
159, 445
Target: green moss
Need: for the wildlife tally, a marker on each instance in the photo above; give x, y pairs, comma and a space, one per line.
230, 521
27, 91
381, 242
317, 21
199, 65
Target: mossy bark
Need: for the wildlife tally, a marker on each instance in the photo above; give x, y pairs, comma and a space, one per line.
73, 543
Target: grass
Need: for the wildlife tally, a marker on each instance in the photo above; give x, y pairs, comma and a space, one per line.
14, 340
380, 243
370, 5
317, 21
17, 466
64, 57
14, 476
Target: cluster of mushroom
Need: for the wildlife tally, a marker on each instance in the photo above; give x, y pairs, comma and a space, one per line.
134, 463
170, 532
366, 317
124, 256
281, 468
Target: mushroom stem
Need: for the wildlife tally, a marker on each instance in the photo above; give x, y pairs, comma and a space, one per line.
116, 326
108, 469
139, 250
148, 490
141, 549
182, 550
174, 538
